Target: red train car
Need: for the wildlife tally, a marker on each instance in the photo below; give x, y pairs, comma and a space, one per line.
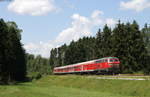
107, 65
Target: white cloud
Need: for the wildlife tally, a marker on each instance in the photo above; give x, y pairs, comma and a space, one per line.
96, 14
39, 48
80, 26
32, 7
111, 22
137, 5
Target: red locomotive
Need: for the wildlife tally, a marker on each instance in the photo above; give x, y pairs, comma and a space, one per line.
107, 65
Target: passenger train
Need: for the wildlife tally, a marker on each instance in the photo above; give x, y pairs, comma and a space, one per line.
103, 65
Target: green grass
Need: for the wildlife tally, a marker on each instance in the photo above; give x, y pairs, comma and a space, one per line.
77, 86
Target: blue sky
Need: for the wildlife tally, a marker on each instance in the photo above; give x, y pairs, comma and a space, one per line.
50, 23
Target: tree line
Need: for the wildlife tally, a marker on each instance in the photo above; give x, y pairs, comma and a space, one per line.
126, 41
37, 66
15, 63
12, 54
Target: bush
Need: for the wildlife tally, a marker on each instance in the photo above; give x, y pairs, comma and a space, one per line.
34, 76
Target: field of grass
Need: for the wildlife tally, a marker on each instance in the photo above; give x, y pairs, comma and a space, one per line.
77, 86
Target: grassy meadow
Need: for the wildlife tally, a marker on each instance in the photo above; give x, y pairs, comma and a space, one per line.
77, 86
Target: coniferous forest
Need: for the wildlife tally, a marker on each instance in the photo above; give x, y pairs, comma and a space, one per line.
127, 41
12, 55
15, 63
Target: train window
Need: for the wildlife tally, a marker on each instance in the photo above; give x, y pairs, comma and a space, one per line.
111, 60
106, 60
98, 61
76, 67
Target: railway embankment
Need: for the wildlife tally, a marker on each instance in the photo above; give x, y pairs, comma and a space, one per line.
123, 88
78, 86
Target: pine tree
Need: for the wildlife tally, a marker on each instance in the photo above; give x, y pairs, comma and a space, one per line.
98, 45
61, 54
119, 44
3, 48
106, 41
13, 65
138, 51
16, 54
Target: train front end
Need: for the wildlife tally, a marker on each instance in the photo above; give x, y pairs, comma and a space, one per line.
114, 64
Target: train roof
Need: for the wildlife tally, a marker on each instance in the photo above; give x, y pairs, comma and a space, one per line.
76, 64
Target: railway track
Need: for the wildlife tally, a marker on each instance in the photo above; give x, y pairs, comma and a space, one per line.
122, 77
